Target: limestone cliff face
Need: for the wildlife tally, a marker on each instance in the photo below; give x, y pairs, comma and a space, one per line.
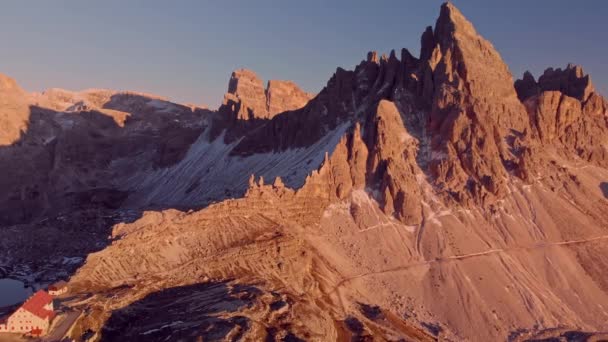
14, 112
249, 107
392, 165
282, 96
565, 110
247, 99
475, 114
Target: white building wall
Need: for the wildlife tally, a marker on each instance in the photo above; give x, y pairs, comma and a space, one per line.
22, 321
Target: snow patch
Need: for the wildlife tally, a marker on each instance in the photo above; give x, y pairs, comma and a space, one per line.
209, 173
162, 106
71, 260
148, 332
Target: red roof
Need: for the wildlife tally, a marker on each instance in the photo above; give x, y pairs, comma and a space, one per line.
36, 303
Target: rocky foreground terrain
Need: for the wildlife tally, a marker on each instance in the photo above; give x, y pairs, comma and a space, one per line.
414, 198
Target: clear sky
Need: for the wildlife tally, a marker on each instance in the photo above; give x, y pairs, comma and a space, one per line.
186, 50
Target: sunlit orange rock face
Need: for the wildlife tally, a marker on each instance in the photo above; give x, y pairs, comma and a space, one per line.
416, 198
15, 112
247, 99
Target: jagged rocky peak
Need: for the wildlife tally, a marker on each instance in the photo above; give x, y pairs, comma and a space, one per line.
247, 98
470, 62
566, 112
474, 113
246, 92
372, 56
571, 81
282, 96
392, 164
427, 44
526, 87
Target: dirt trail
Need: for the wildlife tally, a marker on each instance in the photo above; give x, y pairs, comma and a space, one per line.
467, 256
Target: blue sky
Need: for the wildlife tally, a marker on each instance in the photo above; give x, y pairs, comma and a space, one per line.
186, 50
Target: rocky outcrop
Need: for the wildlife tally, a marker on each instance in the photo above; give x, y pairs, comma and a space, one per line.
14, 110
427, 44
298, 128
392, 165
249, 107
572, 82
526, 87
553, 112
247, 99
282, 96
564, 109
475, 111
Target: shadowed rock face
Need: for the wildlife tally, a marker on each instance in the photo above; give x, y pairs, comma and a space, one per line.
433, 189
564, 109
571, 82
66, 179
186, 312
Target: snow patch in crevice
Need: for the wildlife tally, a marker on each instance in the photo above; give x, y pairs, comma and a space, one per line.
162, 106
148, 332
208, 172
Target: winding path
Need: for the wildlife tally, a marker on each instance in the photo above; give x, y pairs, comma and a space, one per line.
466, 256
62, 327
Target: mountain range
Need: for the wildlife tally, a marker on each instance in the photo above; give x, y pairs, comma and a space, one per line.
415, 198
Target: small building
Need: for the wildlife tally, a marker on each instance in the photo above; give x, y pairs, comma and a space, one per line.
58, 288
34, 316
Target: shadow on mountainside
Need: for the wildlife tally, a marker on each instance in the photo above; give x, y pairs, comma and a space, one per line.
289, 129
62, 190
604, 188
69, 177
184, 313
556, 334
